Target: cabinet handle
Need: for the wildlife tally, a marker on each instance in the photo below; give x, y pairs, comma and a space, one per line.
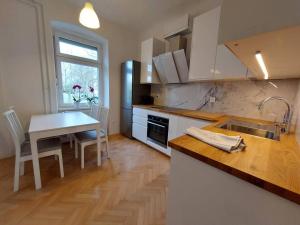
157, 124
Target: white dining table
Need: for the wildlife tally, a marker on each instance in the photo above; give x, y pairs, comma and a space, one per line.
51, 125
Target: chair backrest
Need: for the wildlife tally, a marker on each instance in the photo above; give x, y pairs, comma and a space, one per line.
15, 127
104, 118
96, 111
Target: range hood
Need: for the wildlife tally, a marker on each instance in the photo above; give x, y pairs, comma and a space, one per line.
172, 66
280, 50
166, 68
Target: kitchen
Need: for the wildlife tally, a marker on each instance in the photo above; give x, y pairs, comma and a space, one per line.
191, 106
237, 96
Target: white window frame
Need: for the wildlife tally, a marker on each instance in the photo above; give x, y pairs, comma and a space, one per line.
61, 57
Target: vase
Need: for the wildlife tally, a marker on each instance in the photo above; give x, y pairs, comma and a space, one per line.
76, 105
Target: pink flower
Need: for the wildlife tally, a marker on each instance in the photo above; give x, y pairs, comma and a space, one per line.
75, 86
91, 89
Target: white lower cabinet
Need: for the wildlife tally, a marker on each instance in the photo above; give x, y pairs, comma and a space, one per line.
179, 124
184, 123
139, 132
139, 125
140, 112
140, 120
173, 121
177, 127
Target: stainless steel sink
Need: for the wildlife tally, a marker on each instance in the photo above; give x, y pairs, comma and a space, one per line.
270, 131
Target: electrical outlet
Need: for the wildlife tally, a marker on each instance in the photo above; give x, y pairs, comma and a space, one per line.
212, 99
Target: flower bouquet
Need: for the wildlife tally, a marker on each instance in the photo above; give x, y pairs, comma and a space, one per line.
76, 95
90, 97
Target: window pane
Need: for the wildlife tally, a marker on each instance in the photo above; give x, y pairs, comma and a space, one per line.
85, 76
77, 49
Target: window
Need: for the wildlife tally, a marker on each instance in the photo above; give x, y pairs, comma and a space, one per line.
78, 67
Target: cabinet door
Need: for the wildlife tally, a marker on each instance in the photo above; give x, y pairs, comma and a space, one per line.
173, 123
204, 45
140, 120
228, 66
139, 132
150, 48
140, 112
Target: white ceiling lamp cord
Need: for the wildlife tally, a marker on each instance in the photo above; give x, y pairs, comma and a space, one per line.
88, 17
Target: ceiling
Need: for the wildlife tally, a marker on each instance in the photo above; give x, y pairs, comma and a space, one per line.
136, 14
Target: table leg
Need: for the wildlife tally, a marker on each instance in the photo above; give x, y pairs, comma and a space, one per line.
35, 163
98, 148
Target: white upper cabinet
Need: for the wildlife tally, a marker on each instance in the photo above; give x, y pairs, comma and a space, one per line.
228, 66
204, 45
150, 48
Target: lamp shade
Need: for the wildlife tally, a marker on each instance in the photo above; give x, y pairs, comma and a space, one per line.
88, 16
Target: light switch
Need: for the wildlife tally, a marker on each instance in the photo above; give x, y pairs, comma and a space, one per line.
212, 99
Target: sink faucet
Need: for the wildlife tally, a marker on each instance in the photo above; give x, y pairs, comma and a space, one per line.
285, 126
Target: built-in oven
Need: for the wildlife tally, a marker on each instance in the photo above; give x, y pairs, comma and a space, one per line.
157, 130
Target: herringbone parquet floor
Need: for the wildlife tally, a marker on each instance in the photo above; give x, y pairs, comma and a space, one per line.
129, 189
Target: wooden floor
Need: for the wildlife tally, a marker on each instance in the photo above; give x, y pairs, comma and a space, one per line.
130, 188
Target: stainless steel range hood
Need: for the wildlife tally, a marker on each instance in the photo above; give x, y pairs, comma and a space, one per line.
166, 68
172, 66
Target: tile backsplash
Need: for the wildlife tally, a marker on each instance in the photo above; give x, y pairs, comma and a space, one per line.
238, 98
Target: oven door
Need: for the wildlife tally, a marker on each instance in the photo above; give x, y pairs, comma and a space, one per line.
158, 133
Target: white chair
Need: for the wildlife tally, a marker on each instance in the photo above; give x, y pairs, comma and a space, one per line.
46, 147
90, 137
95, 113
95, 110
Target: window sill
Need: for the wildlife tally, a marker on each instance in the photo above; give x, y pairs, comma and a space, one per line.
85, 108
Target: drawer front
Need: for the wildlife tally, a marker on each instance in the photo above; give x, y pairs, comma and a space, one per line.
140, 112
140, 120
139, 132
160, 114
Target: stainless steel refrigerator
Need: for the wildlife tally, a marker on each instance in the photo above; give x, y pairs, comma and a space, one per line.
132, 93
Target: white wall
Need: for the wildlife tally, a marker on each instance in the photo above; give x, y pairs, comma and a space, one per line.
122, 45
5, 141
22, 81
297, 114
22, 60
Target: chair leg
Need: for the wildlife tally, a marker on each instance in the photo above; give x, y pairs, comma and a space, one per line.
107, 147
17, 175
71, 140
82, 156
99, 153
61, 166
22, 168
76, 148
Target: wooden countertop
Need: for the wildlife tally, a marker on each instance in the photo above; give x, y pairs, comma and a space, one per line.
269, 164
183, 112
